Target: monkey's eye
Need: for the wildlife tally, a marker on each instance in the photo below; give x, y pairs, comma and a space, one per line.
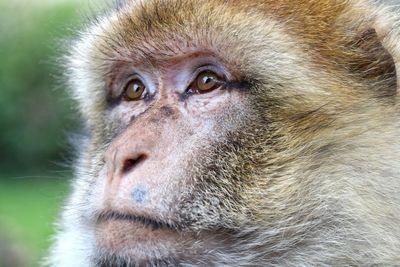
206, 81
134, 90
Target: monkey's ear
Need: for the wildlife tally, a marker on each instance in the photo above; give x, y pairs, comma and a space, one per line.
376, 41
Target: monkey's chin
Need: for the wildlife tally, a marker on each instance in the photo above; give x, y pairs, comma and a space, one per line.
137, 241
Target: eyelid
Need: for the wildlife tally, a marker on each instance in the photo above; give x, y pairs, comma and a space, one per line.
134, 76
207, 67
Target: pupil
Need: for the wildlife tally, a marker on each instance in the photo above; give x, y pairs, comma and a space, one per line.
207, 79
136, 88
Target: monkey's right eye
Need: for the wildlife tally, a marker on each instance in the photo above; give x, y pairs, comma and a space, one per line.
134, 90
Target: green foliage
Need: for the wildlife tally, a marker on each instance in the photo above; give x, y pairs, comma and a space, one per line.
35, 108
28, 208
35, 116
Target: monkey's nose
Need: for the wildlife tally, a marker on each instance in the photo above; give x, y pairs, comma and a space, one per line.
131, 162
122, 160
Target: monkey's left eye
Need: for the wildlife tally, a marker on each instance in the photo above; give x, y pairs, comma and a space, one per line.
134, 90
206, 81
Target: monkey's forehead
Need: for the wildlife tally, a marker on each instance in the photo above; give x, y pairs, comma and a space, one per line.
154, 29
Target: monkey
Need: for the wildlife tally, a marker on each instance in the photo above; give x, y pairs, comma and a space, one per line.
235, 133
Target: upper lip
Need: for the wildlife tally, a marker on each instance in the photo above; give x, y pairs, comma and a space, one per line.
146, 221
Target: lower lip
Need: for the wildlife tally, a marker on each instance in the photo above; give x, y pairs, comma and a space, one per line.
135, 237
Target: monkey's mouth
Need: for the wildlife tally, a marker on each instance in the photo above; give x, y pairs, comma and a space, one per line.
140, 237
134, 219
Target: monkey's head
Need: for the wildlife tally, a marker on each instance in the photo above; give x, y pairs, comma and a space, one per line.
214, 127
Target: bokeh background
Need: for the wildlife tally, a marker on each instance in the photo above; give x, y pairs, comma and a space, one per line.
36, 117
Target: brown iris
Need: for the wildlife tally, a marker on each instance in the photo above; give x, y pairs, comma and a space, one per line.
207, 81
134, 90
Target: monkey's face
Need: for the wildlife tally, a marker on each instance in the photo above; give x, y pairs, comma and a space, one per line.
205, 129
159, 182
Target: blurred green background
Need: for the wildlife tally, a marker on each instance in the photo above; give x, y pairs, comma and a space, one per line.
35, 117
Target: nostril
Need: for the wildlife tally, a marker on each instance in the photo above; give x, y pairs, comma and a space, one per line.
131, 163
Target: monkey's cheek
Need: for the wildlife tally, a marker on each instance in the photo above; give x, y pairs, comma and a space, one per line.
138, 241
